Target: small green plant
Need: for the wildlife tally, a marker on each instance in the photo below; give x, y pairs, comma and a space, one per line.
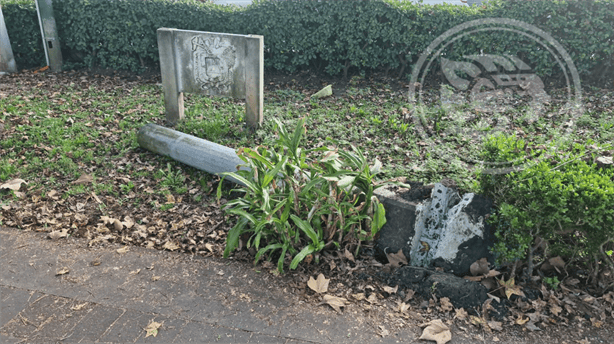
165, 207
376, 120
552, 282
299, 202
174, 181
126, 188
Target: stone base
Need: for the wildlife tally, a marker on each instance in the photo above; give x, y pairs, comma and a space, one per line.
442, 230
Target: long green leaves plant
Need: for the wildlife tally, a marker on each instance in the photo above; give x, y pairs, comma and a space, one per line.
298, 202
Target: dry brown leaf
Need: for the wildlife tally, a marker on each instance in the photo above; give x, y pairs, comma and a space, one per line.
372, 298
409, 294
209, 247
555, 309
335, 302
78, 307
390, 290
348, 255
170, 199
477, 320
511, 288
460, 314
128, 222
53, 195
479, 267
403, 307
55, 235
495, 325
494, 298
596, 322
531, 326
123, 249
489, 283
522, 320
383, 331
96, 198
558, 263
171, 246
152, 328
118, 225
445, 304
436, 331
396, 259
13, 184
62, 271
84, 179
319, 285
155, 278
107, 220
359, 296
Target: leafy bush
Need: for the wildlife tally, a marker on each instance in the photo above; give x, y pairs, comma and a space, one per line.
566, 200
300, 205
331, 36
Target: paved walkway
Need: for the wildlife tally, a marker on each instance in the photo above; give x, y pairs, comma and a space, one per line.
110, 297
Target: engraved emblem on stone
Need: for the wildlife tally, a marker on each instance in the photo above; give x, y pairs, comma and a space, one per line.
213, 62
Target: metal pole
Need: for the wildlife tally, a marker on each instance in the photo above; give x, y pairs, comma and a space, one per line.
51, 40
7, 60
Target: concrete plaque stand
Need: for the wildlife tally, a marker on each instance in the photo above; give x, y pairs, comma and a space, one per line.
51, 40
213, 64
7, 61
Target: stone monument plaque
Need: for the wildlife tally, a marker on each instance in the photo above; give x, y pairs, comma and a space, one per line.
216, 64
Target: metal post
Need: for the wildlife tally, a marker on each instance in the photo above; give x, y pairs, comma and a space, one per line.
7, 60
51, 40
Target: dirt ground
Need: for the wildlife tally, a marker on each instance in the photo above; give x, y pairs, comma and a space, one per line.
568, 315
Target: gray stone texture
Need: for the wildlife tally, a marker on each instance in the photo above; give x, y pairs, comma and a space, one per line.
190, 150
444, 230
398, 231
214, 64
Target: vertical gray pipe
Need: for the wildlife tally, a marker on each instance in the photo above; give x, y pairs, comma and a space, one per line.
7, 60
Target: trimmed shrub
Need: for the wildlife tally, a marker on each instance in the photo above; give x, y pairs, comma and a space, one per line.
566, 200
330, 36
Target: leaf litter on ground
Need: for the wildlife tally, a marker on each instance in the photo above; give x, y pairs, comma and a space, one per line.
204, 227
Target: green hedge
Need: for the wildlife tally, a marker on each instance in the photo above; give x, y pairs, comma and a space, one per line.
331, 36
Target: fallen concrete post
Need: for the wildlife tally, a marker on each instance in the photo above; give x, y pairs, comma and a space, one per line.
190, 150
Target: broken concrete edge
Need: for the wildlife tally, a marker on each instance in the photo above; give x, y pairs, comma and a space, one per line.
444, 231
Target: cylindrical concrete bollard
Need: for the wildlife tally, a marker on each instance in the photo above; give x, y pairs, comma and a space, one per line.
190, 150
